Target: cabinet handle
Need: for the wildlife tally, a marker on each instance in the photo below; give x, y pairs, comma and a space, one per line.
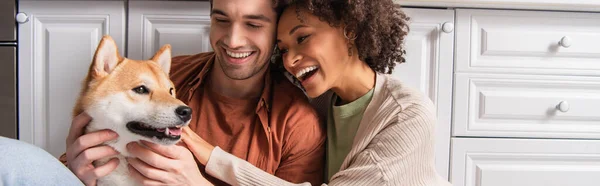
565, 42
22, 18
448, 27
563, 106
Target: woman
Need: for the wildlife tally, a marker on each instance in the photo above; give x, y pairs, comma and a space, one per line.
380, 132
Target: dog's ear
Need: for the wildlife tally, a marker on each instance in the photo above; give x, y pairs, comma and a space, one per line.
106, 57
163, 58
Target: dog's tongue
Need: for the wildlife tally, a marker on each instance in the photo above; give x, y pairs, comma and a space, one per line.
174, 131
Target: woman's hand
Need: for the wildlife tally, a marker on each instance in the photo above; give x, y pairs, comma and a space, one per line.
200, 148
163, 165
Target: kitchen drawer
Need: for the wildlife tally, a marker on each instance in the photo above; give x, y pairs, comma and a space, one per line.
527, 42
525, 162
493, 105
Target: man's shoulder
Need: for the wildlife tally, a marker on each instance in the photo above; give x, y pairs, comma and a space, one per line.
185, 61
288, 100
286, 93
185, 67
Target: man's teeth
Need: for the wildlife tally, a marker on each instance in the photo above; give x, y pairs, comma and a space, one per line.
305, 70
238, 54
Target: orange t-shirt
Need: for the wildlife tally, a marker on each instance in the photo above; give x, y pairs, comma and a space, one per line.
278, 132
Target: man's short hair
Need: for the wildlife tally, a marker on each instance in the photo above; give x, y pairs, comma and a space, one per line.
278, 6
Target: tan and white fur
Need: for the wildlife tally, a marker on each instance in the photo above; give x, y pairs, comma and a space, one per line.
134, 98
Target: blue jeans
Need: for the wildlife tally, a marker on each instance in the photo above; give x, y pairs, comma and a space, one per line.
24, 164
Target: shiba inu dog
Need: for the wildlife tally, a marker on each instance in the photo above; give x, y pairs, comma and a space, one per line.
134, 98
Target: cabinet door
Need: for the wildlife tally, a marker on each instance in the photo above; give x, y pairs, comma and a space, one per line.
8, 112
56, 47
525, 162
182, 24
428, 67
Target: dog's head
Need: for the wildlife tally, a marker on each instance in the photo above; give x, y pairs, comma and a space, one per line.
134, 98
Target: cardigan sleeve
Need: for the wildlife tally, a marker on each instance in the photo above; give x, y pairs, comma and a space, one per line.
400, 154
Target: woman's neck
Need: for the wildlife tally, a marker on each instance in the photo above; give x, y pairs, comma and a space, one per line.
356, 80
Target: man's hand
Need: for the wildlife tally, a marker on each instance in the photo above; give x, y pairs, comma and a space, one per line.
163, 165
82, 150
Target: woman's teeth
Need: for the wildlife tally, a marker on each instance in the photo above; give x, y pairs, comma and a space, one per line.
238, 54
305, 71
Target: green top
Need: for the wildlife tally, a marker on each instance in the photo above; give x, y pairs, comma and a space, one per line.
342, 124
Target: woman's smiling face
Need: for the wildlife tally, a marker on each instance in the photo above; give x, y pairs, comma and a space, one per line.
312, 50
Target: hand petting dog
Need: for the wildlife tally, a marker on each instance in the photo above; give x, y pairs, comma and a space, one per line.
83, 149
163, 165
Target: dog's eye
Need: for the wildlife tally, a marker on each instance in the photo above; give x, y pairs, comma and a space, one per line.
171, 91
141, 90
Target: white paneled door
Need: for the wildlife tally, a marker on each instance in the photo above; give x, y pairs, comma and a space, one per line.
428, 67
56, 46
182, 24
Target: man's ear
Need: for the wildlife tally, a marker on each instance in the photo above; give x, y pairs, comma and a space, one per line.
106, 57
163, 58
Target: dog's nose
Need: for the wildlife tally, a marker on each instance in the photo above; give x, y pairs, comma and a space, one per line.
184, 113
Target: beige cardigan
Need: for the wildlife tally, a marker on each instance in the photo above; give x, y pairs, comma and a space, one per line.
394, 144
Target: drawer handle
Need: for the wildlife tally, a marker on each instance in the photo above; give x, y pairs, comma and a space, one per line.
448, 27
565, 42
22, 18
563, 106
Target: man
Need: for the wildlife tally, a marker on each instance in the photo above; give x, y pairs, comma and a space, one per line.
241, 105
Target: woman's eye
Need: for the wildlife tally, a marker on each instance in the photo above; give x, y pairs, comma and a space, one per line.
300, 39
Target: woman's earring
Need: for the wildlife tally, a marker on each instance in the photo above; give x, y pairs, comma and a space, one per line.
349, 48
349, 40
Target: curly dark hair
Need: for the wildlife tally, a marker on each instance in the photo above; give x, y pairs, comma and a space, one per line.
380, 27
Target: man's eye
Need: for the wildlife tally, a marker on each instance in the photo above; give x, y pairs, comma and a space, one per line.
221, 20
254, 25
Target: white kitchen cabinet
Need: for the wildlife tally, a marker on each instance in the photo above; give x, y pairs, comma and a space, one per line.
526, 86
182, 24
527, 42
525, 162
429, 56
492, 105
56, 47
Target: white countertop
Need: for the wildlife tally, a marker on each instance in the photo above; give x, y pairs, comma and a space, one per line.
566, 5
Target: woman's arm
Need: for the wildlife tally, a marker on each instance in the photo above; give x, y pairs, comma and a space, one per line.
400, 154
